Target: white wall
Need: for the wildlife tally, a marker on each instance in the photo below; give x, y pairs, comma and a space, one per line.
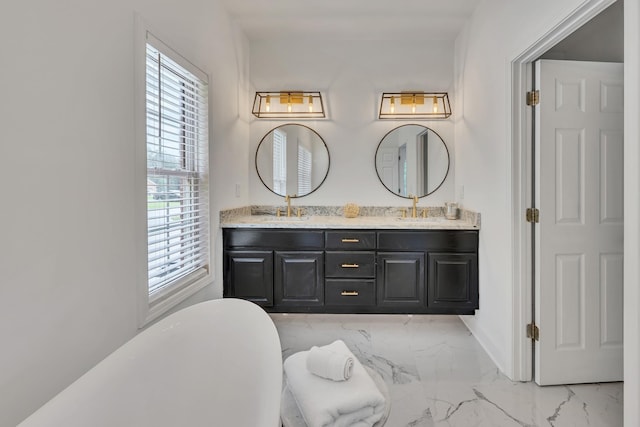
483, 156
352, 76
67, 255
499, 31
601, 39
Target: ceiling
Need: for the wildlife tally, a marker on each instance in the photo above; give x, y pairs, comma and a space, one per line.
351, 19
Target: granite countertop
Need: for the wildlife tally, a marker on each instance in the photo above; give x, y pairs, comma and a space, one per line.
364, 222
332, 217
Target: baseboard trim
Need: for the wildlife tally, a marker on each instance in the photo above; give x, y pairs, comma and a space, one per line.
487, 344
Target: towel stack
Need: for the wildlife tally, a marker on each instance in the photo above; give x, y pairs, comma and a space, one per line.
332, 388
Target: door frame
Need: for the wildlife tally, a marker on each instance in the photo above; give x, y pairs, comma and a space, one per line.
521, 181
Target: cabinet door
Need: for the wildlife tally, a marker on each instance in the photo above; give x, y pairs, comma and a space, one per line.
249, 275
453, 280
400, 279
299, 278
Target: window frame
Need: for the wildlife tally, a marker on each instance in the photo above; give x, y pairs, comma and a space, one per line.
305, 170
151, 307
279, 161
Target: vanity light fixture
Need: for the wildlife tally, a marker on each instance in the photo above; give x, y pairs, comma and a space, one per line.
288, 104
415, 105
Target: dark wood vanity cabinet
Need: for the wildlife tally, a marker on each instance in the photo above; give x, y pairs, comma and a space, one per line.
356, 271
448, 261
274, 268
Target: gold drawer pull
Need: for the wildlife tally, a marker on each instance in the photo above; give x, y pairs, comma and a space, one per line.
350, 266
350, 240
349, 293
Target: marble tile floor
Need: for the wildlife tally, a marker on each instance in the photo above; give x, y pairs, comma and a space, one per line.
438, 375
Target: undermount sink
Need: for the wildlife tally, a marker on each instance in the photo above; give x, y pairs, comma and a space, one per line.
427, 219
267, 218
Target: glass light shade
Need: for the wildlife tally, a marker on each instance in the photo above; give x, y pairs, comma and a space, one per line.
415, 105
289, 104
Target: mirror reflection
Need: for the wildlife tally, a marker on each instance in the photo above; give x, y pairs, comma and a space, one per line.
412, 160
292, 160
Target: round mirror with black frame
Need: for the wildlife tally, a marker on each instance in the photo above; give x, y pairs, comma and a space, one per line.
412, 160
292, 160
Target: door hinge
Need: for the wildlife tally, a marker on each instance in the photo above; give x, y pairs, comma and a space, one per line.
533, 97
533, 332
533, 215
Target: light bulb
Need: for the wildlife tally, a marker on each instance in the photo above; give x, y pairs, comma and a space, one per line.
392, 107
289, 107
268, 106
413, 105
289, 103
310, 103
435, 104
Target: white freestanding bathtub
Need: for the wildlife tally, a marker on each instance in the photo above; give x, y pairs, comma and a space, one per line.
217, 363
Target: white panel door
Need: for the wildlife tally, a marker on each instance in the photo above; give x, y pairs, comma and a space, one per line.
578, 287
387, 167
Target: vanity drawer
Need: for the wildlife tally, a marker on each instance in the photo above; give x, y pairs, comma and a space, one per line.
350, 264
273, 239
350, 240
442, 240
349, 292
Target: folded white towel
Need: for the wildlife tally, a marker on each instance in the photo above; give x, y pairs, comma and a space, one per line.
326, 403
328, 363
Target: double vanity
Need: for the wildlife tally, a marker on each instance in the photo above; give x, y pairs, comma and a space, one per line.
379, 260
368, 264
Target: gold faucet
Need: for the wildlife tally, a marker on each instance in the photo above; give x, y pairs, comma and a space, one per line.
287, 199
414, 209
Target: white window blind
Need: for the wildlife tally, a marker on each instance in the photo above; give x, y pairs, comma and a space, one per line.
177, 173
304, 170
279, 162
